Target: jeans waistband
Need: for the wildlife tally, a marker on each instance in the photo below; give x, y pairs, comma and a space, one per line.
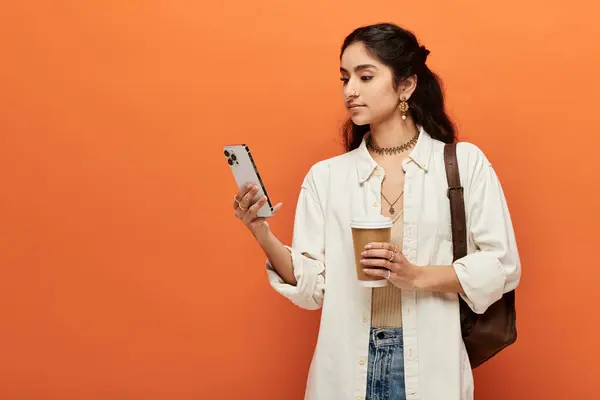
386, 336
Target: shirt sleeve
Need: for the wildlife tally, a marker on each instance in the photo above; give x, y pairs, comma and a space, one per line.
494, 268
307, 250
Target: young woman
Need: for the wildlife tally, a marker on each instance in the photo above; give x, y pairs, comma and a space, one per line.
402, 341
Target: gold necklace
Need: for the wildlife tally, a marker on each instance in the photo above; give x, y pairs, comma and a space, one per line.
392, 209
391, 150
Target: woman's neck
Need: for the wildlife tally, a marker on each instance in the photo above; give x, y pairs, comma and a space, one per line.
393, 132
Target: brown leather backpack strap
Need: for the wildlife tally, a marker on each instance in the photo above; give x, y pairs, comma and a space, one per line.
457, 203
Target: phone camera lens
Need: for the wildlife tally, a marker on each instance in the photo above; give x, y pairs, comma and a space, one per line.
229, 161
226, 153
233, 157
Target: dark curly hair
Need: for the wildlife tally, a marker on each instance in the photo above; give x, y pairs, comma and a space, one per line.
399, 49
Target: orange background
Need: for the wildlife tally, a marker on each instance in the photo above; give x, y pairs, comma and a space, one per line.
123, 273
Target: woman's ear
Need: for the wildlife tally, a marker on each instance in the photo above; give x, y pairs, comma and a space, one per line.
407, 87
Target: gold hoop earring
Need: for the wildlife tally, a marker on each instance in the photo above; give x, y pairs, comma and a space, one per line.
403, 107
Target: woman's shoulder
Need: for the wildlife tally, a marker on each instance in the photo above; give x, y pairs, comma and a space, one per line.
322, 169
473, 164
469, 155
320, 173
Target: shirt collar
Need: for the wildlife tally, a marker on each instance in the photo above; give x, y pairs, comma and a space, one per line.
420, 154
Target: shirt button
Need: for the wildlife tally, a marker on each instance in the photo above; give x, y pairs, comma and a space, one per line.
362, 361
365, 319
375, 204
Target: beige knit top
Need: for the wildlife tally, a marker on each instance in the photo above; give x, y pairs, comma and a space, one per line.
386, 309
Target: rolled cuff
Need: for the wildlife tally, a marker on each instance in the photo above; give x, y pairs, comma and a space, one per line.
483, 279
310, 277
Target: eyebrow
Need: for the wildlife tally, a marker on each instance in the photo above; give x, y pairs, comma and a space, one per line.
359, 67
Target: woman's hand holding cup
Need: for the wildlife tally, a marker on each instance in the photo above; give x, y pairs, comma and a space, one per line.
388, 262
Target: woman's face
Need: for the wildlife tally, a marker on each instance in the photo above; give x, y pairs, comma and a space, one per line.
367, 86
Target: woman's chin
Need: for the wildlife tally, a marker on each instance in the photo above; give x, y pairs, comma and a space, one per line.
360, 120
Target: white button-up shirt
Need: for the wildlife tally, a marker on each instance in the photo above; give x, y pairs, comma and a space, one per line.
338, 189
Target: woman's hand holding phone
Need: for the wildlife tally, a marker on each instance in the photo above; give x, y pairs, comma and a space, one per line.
246, 212
277, 253
247, 207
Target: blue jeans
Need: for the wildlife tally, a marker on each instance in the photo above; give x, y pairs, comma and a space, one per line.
385, 373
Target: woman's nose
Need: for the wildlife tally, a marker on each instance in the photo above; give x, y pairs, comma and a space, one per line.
350, 91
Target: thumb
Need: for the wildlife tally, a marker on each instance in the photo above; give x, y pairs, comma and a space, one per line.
277, 207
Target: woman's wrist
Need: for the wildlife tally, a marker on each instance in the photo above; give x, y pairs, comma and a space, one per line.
437, 278
420, 277
263, 235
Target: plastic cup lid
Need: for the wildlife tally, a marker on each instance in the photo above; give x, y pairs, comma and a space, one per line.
371, 222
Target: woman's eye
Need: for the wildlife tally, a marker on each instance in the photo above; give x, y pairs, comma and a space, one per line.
345, 80
366, 78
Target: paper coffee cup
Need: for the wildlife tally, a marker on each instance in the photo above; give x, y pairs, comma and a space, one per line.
367, 230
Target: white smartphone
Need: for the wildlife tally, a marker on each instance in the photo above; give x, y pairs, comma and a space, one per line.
244, 171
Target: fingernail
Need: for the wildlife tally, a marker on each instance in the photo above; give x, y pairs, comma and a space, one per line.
364, 253
362, 261
368, 246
